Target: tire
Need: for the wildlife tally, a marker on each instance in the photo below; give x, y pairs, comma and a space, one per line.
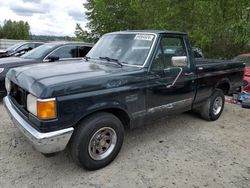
209, 111
97, 141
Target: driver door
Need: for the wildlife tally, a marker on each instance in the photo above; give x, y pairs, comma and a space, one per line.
172, 87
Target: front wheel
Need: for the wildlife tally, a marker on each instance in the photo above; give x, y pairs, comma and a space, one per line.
212, 109
97, 141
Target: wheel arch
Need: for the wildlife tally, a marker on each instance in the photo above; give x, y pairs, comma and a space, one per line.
120, 113
224, 85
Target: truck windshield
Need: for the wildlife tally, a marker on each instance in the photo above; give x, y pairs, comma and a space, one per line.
131, 49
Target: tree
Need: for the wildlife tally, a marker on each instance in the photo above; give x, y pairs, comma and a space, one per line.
84, 35
15, 30
220, 27
106, 16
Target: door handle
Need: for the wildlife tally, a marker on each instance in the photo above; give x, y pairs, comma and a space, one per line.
200, 68
167, 70
188, 73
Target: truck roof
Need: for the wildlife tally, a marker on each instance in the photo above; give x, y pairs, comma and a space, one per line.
151, 31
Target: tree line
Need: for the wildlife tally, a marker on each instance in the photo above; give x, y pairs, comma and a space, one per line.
19, 30
221, 28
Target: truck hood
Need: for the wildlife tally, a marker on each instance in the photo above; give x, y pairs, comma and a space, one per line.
9, 62
59, 79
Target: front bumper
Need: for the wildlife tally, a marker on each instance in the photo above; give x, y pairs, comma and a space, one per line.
46, 143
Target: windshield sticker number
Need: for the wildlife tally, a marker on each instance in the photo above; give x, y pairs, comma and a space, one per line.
144, 37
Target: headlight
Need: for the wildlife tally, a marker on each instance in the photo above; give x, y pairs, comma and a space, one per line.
42, 108
1, 70
7, 85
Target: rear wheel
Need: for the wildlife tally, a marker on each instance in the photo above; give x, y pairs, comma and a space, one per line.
97, 141
214, 106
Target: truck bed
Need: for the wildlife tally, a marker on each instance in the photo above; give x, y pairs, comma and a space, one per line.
204, 61
210, 71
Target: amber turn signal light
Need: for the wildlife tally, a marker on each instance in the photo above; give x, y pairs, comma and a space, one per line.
46, 109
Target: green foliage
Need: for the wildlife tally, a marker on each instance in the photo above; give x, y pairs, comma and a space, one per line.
221, 28
15, 30
106, 16
47, 38
84, 35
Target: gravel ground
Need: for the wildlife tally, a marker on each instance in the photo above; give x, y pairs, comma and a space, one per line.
184, 151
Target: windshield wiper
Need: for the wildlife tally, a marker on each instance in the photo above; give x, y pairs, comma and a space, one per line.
112, 60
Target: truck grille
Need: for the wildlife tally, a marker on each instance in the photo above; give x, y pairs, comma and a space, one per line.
19, 95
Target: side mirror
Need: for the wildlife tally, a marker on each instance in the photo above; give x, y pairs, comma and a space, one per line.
52, 58
179, 61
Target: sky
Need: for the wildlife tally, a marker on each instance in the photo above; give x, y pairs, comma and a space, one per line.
46, 17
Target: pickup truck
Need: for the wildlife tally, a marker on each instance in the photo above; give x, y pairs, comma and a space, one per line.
127, 80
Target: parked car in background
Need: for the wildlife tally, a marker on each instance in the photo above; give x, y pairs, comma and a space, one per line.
245, 58
245, 93
19, 49
49, 52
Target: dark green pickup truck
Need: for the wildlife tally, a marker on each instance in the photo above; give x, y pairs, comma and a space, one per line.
127, 80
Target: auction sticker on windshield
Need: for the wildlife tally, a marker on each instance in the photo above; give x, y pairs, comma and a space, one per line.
144, 37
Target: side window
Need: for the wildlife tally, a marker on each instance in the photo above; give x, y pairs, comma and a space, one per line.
172, 47
31, 45
83, 50
65, 52
37, 44
158, 62
25, 47
169, 47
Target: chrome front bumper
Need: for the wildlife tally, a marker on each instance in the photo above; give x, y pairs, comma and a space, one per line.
46, 143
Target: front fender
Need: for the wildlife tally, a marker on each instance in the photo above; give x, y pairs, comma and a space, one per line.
106, 105
80, 109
